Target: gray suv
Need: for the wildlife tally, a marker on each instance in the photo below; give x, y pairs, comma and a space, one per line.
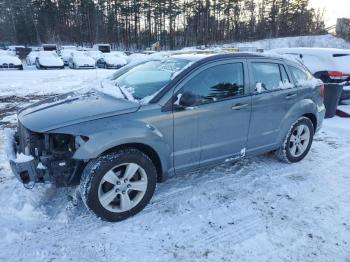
163, 117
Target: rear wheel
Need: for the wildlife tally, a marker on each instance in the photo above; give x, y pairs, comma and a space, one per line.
118, 185
297, 142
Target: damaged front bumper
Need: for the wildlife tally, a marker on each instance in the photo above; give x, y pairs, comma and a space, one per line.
52, 168
27, 169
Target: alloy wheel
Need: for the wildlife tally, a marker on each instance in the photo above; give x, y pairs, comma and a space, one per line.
122, 187
299, 140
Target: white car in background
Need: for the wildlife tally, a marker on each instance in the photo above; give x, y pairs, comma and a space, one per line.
330, 65
94, 54
119, 54
79, 60
31, 57
13, 48
9, 61
111, 61
70, 47
65, 54
136, 57
48, 60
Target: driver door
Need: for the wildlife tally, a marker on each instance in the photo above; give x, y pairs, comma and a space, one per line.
216, 126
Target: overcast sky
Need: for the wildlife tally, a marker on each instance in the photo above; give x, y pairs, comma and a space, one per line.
333, 9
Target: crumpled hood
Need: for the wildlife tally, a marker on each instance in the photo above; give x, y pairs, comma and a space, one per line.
4, 58
50, 61
73, 108
84, 60
115, 60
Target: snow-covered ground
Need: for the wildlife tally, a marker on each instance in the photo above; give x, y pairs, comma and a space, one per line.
255, 210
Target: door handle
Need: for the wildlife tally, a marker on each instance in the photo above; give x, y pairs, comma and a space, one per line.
290, 96
239, 106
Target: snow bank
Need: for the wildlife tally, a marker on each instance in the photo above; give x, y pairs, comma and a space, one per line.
46, 82
326, 41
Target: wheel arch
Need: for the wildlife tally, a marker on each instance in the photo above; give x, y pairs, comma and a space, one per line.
304, 108
313, 119
146, 149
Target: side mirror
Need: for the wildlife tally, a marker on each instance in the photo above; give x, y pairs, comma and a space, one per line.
186, 99
260, 87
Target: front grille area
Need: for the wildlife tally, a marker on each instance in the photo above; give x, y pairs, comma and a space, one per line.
54, 152
29, 142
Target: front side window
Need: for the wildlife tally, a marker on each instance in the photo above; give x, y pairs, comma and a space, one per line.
217, 83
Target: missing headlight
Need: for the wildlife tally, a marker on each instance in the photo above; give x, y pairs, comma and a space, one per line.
62, 143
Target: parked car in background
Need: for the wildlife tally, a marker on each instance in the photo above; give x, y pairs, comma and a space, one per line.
150, 121
70, 47
49, 60
330, 65
35, 48
104, 48
111, 61
135, 57
94, 54
49, 47
65, 54
79, 60
31, 57
13, 48
119, 54
9, 61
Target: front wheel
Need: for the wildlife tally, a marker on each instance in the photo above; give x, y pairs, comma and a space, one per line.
297, 142
118, 185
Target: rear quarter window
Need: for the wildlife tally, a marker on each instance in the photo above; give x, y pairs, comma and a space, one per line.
300, 75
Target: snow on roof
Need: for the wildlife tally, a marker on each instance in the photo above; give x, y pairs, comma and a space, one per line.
192, 56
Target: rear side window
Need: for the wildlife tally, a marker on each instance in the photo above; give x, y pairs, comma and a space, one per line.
300, 75
269, 76
217, 83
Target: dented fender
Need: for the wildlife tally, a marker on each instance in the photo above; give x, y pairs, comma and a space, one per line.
105, 134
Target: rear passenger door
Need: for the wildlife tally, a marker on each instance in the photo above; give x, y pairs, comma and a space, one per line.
273, 94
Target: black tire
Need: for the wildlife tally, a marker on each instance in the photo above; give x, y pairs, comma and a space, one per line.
97, 168
37, 65
284, 152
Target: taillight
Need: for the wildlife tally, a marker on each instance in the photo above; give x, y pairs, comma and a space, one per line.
338, 75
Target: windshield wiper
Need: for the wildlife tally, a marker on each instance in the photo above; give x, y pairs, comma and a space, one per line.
121, 91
